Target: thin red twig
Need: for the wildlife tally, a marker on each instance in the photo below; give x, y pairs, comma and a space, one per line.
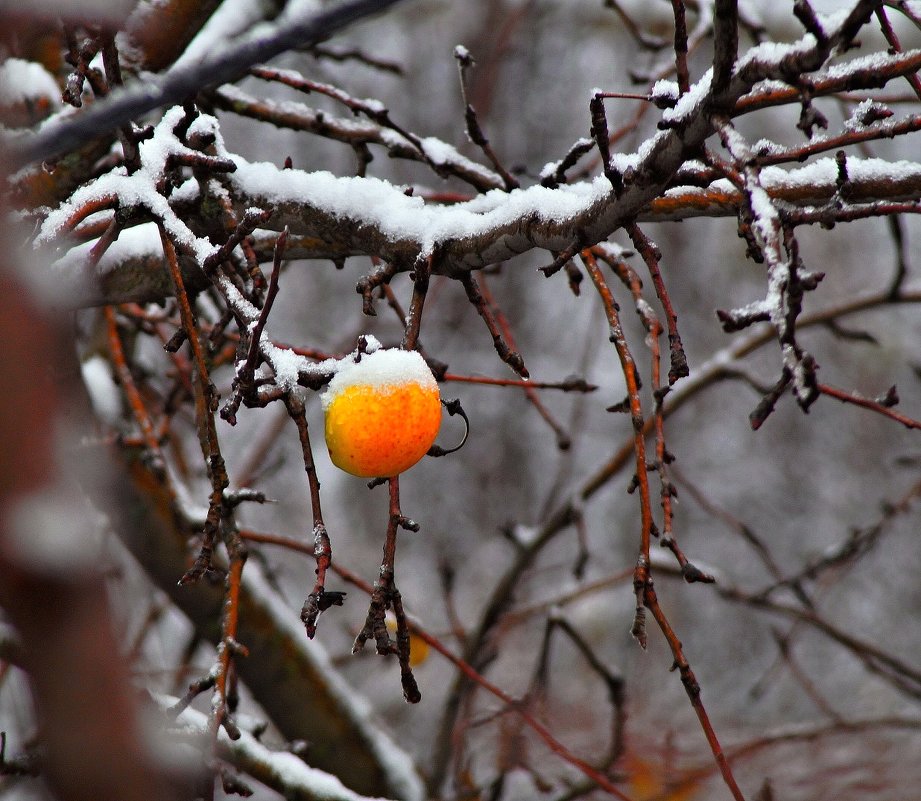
138, 409
651, 256
631, 377
868, 403
562, 438
896, 45
569, 385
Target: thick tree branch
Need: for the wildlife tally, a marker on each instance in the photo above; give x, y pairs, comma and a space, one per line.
186, 81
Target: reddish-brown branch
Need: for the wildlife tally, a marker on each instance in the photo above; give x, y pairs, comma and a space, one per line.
386, 595
896, 45
868, 403
651, 256
318, 600
500, 327
642, 581
138, 409
219, 517
479, 295
101, 203
631, 377
569, 385
692, 688
229, 647
681, 47
725, 45
663, 458
105, 241
830, 214
422, 273
464, 667
474, 130
838, 81
885, 129
654, 330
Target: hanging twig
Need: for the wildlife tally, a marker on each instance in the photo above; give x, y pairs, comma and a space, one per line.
483, 306
663, 458
692, 688
205, 406
151, 441
651, 256
385, 595
421, 274
318, 600
631, 377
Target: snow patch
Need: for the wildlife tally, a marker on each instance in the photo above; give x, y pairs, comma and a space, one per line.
105, 395
24, 81
690, 100
384, 368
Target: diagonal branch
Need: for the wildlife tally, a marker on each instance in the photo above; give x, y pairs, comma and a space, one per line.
186, 81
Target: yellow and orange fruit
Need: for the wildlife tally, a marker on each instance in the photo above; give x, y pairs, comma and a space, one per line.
382, 412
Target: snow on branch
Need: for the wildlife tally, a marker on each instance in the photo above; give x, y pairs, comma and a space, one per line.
301, 117
345, 216
356, 215
283, 771
786, 280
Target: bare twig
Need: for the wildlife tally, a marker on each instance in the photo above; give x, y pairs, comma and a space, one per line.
474, 130
651, 255
318, 600
631, 377
868, 403
511, 357
205, 404
386, 595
